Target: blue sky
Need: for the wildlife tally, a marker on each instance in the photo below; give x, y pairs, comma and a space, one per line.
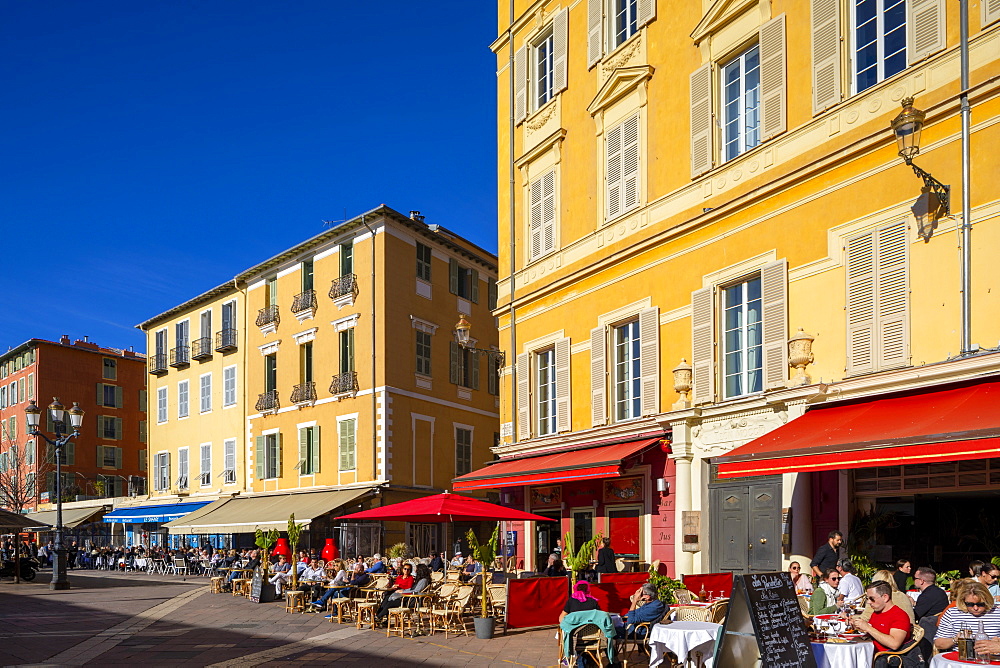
153, 149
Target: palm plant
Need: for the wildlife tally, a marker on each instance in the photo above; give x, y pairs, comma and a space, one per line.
266, 540
294, 534
484, 553
580, 561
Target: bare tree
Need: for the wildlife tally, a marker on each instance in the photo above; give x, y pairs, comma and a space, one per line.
21, 470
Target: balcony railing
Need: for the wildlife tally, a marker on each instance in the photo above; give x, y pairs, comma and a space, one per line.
304, 301
180, 356
344, 383
225, 340
304, 392
346, 285
201, 348
268, 315
158, 363
268, 401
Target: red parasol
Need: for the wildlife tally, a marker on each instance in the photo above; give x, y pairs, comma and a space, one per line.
444, 508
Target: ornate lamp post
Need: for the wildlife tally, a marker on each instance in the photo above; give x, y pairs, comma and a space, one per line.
462, 329
935, 197
32, 414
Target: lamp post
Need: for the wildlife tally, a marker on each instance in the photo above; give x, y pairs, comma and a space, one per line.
935, 196
58, 412
462, 330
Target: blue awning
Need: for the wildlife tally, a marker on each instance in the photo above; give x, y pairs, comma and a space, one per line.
160, 513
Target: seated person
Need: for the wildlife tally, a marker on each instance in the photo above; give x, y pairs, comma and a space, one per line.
437, 563
360, 579
579, 600
470, 568
378, 566
973, 606
803, 585
336, 571
899, 599
826, 598
312, 578
282, 574
555, 567
456, 561
645, 607
888, 626
405, 584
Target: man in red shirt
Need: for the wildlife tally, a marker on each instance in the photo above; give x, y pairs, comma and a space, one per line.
889, 625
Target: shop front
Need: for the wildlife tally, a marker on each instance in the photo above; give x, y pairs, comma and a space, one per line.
144, 525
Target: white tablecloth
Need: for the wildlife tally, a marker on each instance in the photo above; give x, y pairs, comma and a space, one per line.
683, 638
843, 655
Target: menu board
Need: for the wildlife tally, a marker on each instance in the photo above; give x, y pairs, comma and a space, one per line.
261, 591
765, 622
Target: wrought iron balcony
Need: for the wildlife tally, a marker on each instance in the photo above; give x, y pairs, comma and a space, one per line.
268, 401
304, 301
268, 315
345, 286
201, 348
180, 356
158, 364
304, 392
225, 340
344, 383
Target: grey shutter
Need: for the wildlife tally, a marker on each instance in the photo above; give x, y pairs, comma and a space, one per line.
100, 456
772, 77
119, 398
118, 428
143, 399
303, 449
649, 360
630, 163
598, 377
548, 235
703, 345
259, 458
520, 84
701, 120
345, 455
492, 376
892, 296
613, 172
774, 297
166, 471
925, 28
277, 469
455, 375
563, 387
646, 11
491, 296
474, 286
453, 276
535, 218
474, 371
595, 31
118, 458
100, 426
860, 304
315, 450
990, 11
69, 450
826, 65
523, 397
560, 42
100, 394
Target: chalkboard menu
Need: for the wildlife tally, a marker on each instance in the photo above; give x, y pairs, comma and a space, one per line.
764, 622
261, 591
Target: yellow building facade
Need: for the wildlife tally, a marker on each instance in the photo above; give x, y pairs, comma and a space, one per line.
683, 187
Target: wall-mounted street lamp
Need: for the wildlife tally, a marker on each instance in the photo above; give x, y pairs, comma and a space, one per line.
59, 413
462, 335
935, 197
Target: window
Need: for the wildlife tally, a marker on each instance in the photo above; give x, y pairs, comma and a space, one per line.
31, 386
3, 397
182, 398
741, 103
879, 33
625, 20
29, 485
206, 324
20, 389
308, 450
182, 333
161, 404
229, 386
347, 350
229, 316
423, 353
307, 275
464, 366
542, 214
423, 262
611, 22
627, 357
29, 452
143, 431
229, 461
112, 485
182, 468
206, 393
347, 436
206, 465
463, 451
622, 168
270, 372
271, 294
111, 457
463, 281
110, 369
306, 362
268, 461
545, 391
542, 65
109, 427
161, 471
161, 342
742, 353
347, 258
110, 396
12, 428
624, 368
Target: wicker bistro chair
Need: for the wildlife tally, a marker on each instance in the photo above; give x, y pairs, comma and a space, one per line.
497, 594
402, 619
452, 613
636, 638
587, 640
894, 658
366, 608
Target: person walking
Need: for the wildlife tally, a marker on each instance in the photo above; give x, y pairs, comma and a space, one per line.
828, 554
606, 558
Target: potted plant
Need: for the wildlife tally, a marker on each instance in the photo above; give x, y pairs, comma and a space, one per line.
265, 540
665, 586
294, 535
580, 561
397, 551
484, 553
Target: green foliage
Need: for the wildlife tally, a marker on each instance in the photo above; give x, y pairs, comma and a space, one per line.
294, 534
995, 561
265, 541
945, 579
580, 561
864, 567
665, 586
398, 551
484, 553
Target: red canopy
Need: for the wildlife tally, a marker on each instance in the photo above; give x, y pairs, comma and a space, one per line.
444, 508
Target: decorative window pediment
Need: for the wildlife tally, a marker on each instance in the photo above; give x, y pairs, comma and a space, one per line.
719, 14
621, 82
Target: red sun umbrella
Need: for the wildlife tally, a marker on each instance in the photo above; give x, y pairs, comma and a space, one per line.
444, 508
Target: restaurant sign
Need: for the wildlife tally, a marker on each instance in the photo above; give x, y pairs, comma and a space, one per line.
622, 490
549, 496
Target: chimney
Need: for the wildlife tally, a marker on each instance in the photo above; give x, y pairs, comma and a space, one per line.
64, 339
415, 215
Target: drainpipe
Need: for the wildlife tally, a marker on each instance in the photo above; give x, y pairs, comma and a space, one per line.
511, 229
374, 400
966, 230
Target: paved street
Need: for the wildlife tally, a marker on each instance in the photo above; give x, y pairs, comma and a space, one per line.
111, 619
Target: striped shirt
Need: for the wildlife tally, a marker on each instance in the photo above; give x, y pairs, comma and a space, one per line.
954, 620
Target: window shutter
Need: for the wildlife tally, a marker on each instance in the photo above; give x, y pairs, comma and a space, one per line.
892, 296
259, 459
474, 286
31, 386
563, 387
826, 67
703, 345
69, 451
548, 232
701, 120
303, 449
520, 84
774, 297
491, 296
277, 469
991, 11
100, 394
613, 175
630, 163
345, 457
598, 377
860, 304
535, 219
646, 11
595, 25
649, 360
925, 29
453, 276
100, 426
523, 397
119, 398
474, 371
560, 41
772, 77
118, 428
315, 450
455, 375
100, 456
118, 458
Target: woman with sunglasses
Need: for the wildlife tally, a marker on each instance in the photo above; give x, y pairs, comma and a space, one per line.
803, 585
973, 606
825, 598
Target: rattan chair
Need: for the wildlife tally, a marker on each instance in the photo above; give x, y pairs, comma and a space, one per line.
451, 614
894, 658
590, 641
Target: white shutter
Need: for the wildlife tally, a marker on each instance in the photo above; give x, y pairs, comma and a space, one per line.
563, 398
701, 120
826, 66
990, 11
548, 231
598, 377
613, 173
520, 84
535, 218
595, 31
630, 163
702, 345
649, 360
774, 294
772, 77
560, 42
523, 397
646, 11
892, 296
860, 304
925, 29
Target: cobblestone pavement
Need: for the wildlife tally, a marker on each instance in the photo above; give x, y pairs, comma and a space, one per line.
112, 619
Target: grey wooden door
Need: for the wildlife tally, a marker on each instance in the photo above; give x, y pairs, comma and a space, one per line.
745, 525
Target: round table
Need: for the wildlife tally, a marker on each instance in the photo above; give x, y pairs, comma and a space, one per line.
843, 655
683, 638
951, 660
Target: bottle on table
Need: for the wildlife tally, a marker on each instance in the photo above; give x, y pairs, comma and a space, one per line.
962, 641
980, 657
703, 595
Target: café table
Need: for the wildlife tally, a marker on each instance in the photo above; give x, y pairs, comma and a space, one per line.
951, 660
683, 639
843, 654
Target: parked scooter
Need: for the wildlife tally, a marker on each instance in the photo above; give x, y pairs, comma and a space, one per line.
29, 565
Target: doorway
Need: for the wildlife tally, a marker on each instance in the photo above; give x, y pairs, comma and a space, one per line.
745, 523
546, 535
583, 526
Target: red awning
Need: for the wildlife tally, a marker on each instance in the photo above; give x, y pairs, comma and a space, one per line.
960, 421
600, 462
